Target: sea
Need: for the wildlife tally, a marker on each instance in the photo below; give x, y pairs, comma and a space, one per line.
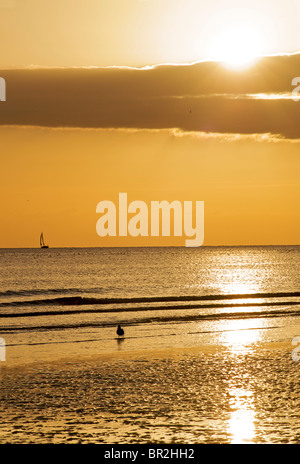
57, 301
210, 352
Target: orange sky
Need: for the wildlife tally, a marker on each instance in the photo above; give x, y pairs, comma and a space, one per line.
71, 137
54, 178
136, 32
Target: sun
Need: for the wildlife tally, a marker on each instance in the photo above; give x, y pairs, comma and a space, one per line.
237, 46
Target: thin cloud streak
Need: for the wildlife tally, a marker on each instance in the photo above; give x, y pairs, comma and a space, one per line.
146, 67
244, 96
172, 132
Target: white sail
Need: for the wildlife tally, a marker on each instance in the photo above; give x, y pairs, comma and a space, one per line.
42, 243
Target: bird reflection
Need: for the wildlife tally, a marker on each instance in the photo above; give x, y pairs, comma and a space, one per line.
120, 341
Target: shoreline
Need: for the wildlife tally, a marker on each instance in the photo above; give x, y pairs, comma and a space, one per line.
175, 352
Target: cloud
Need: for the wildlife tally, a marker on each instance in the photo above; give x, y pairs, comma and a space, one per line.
203, 97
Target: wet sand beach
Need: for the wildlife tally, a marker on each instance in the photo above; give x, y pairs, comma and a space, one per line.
203, 394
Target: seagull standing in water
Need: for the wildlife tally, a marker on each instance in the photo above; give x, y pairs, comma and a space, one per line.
120, 331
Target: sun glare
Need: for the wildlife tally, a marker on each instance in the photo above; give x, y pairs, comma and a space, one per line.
237, 47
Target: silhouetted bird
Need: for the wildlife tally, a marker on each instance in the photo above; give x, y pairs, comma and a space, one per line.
120, 331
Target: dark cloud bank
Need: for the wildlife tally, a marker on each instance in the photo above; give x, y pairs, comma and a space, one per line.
200, 97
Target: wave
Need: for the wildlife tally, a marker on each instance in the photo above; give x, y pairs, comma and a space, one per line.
146, 308
148, 320
79, 300
49, 291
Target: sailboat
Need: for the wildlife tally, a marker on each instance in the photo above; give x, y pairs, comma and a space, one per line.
42, 243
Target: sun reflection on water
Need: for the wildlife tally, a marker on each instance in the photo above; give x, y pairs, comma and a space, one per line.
239, 284
241, 423
243, 332
240, 336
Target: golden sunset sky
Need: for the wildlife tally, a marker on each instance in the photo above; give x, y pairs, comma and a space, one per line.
162, 99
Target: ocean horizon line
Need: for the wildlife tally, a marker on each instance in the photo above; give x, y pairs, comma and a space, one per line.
152, 246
